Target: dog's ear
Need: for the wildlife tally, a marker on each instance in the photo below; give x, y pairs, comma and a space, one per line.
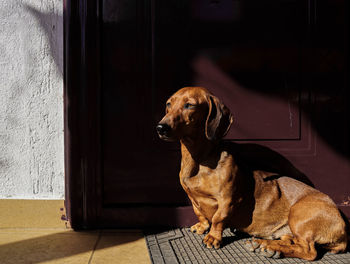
219, 119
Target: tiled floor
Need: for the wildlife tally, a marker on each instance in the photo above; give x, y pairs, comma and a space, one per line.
35, 231
66, 246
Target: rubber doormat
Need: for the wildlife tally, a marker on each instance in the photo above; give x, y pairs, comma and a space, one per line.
182, 246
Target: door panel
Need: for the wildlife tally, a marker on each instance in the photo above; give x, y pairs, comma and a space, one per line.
248, 53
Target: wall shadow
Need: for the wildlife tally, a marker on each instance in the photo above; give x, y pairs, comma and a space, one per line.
52, 24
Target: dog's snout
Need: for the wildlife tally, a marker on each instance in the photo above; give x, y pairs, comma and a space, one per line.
163, 129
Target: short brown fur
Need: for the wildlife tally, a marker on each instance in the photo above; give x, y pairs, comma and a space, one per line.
289, 216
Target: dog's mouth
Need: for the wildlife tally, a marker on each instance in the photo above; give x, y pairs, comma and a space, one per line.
166, 138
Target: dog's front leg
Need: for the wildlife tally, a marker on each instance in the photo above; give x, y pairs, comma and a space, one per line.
203, 225
214, 237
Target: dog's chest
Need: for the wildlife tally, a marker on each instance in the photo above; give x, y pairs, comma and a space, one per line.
203, 190
205, 182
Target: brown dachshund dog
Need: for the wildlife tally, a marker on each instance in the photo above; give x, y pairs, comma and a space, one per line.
288, 216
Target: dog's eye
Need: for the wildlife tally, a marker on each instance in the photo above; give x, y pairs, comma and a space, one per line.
189, 106
168, 105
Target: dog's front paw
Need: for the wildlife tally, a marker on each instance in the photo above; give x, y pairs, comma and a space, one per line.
199, 228
210, 241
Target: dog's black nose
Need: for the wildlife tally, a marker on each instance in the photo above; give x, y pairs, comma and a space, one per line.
162, 129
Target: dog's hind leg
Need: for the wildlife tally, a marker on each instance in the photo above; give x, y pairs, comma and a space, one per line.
314, 219
293, 248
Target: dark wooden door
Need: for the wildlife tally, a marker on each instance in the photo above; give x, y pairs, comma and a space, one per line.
280, 66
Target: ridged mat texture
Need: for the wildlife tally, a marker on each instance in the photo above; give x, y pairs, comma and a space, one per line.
182, 246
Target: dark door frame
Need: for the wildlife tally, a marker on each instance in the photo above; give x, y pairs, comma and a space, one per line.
82, 84
81, 111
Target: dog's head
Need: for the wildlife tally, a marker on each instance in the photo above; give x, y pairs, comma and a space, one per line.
192, 111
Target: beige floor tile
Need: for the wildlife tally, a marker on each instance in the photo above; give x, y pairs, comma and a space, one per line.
19, 246
122, 247
32, 214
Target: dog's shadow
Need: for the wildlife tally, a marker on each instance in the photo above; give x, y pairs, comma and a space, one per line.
258, 157
233, 238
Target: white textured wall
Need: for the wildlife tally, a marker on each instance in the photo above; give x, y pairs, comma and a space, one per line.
31, 99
